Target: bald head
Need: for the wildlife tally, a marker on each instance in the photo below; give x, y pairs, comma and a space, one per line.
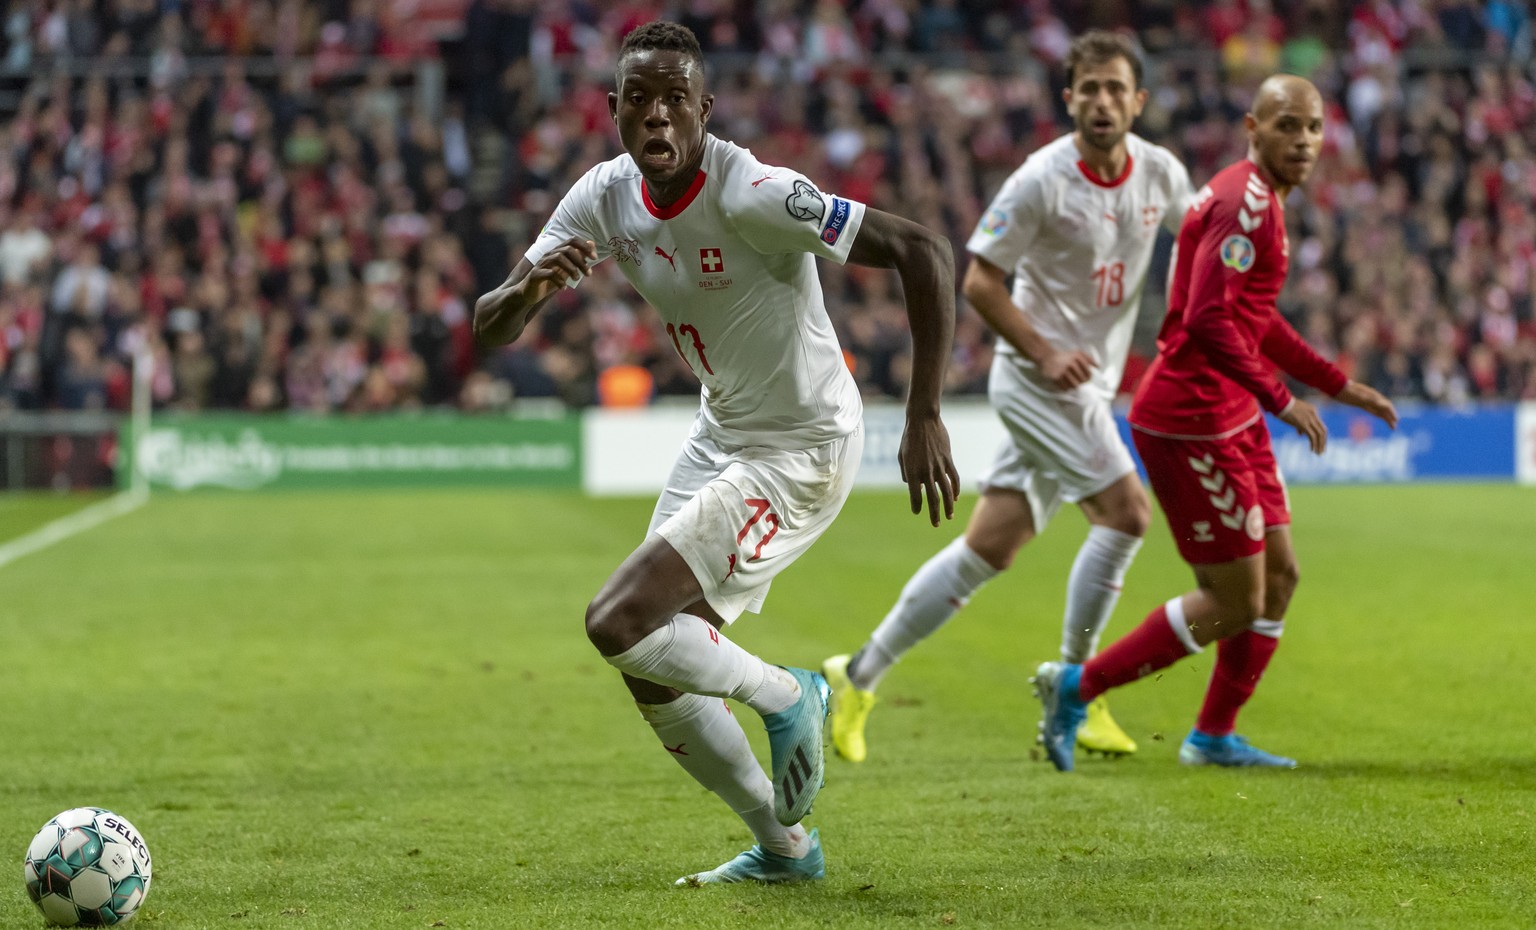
1283, 91
1285, 130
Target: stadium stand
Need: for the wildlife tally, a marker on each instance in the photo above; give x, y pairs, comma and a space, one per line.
293, 205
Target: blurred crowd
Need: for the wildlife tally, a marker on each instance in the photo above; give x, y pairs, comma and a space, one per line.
292, 205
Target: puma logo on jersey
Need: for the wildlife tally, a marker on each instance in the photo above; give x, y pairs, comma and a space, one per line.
668, 257
766, 177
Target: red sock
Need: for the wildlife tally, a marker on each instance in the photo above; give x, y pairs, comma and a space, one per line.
1240, 663
1142, 651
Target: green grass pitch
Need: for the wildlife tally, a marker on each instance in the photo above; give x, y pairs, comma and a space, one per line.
371, 710
22, 513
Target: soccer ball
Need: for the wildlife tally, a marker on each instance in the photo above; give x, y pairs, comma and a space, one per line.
87, 867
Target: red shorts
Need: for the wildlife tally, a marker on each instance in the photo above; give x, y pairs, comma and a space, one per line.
1220, 495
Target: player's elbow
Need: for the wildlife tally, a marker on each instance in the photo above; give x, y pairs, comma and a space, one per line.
483, 339
889, 241
482, 324
924, 261
925, 245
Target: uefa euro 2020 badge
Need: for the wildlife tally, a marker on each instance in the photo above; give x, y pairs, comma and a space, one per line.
1238, 253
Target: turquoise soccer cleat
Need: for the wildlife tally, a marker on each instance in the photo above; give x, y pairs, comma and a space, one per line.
759, 865
1063, 711
795, 737
1231, 751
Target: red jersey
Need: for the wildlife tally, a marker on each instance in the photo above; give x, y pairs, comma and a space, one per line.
1223, 339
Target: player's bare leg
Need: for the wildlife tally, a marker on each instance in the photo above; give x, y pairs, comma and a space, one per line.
1001, 523
1240, 662
639, 624
1118, 517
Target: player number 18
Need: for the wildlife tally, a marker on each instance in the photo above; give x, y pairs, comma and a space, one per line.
1111, 284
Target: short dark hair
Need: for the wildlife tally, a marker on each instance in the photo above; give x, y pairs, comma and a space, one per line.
661, 37
1097, 46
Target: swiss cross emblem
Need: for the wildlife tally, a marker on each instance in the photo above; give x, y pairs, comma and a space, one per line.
711, 261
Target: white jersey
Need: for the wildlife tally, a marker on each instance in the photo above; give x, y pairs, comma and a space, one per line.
1079, 247
730, 268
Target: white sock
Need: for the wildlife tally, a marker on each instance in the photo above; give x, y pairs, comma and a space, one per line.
689, 654
1271, 628
1093, 588
1180, 626
703, 736
942, 586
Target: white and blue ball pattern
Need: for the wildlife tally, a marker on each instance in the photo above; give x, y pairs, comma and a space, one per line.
87, 867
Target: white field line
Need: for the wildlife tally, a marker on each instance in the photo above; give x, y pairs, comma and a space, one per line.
77, 522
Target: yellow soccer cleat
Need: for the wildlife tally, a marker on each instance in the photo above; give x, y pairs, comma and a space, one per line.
850, 709
1100, 733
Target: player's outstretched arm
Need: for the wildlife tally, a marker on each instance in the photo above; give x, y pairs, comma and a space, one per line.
501, 314
926, 265
1370, 400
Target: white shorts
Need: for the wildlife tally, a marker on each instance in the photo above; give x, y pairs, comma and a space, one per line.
740, 517
1060, 446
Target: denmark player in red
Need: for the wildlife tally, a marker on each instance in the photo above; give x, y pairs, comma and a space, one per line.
1197, 420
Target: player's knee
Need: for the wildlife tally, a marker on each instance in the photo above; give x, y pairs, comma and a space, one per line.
1280, 583
997, 540
1238, 609
997, 552
610, 623
1125, 512
597, 621
1135, 519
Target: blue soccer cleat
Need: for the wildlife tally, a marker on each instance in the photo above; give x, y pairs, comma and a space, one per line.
759, 865
1230, 750
1056, 687
795, 737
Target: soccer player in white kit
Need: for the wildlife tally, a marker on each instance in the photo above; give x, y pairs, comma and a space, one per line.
723, 247
1075, 225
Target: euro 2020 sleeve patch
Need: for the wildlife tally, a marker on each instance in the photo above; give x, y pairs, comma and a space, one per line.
1238, 253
